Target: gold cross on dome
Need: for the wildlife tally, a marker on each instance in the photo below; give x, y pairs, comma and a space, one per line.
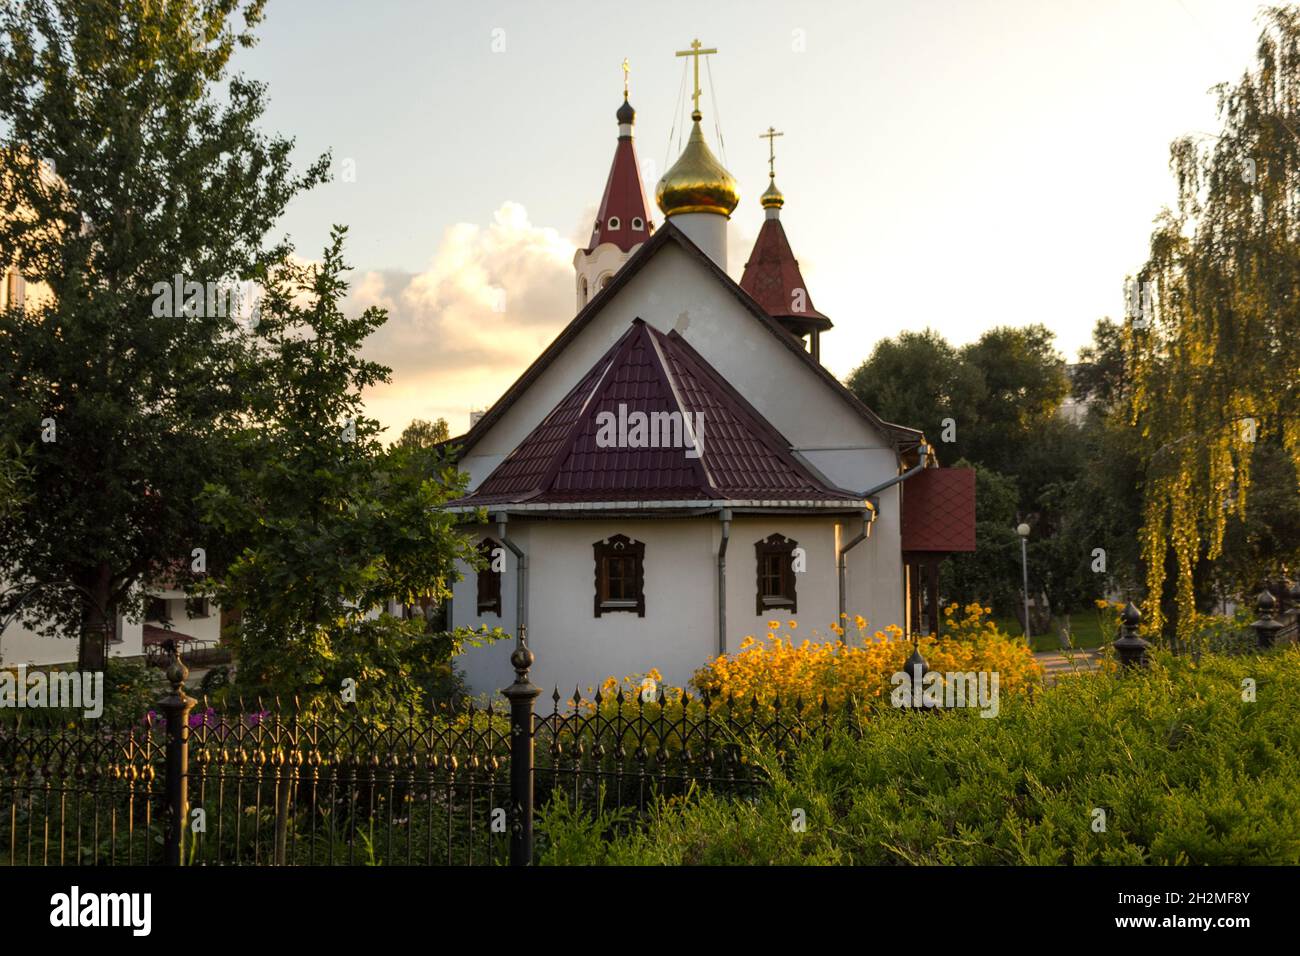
626, 70
771, 136
696, 52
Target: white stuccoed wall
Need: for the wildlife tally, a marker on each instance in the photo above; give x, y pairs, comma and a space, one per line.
18, 645
679, 632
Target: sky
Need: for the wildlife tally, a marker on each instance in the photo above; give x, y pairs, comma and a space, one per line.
952, 164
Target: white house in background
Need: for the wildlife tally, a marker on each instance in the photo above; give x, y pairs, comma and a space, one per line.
168, 614
677, 467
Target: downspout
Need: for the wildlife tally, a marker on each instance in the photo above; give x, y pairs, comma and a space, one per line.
521, 597
867, 518
725, 515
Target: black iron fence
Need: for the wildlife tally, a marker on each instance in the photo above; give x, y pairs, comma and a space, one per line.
458, 787
250, 785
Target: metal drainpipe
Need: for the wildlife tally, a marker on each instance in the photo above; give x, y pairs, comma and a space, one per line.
867, 518
725, 515
521, 598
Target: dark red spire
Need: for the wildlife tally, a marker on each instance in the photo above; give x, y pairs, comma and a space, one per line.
773, 280
623, 207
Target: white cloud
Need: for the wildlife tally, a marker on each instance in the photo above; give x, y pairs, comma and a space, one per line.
462, 330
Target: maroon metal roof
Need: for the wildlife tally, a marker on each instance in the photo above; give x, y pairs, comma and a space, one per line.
773, 280
742, 457
904, 439
939, 510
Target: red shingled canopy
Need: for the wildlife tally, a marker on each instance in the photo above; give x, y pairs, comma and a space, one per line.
939, 510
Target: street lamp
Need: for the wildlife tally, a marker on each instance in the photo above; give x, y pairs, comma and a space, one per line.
1023, 530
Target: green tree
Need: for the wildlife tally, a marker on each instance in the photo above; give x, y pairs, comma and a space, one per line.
129, 154
919, 380
1214, 360
991, 573
1023, 383
333, 532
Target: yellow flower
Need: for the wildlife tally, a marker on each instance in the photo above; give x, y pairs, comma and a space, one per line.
860, 622
794, 625
773, 625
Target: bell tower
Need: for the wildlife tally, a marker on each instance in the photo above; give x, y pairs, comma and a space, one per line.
622, 223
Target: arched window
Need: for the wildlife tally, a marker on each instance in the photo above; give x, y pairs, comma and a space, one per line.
604, 280
638, 223
612, 223
620, 575
775, 559
584, 289
489, 577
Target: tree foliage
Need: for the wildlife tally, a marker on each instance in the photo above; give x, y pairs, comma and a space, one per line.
333, 533
129, 154
1215, 365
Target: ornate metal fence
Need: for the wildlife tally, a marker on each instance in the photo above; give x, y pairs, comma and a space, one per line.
76, 796
194, 786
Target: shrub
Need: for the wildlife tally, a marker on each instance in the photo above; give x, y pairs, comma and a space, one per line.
862, 665
1186, 769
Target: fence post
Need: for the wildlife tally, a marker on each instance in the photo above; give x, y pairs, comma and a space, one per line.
175, 708
1131, 649
521, 694
1265, 626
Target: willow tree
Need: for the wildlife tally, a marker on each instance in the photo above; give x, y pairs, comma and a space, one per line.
1215, 323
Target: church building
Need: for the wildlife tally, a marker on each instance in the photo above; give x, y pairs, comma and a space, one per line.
677, 468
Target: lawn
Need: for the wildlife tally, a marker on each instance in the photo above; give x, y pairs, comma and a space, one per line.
1084, 626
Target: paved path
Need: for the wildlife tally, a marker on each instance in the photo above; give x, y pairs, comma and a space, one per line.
1057, 664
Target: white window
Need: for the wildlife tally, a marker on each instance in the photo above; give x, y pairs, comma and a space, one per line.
612, 223
638, 224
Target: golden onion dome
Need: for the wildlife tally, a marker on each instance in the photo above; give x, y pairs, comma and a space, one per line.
697, 182
772, 197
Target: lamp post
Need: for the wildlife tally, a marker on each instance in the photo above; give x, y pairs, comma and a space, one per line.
1023, 530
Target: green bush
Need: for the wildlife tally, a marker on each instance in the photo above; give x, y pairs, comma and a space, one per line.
1185, 770
131, 687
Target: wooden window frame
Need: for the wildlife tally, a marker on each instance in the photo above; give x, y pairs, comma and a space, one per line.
781, 549
630, 555
489, 581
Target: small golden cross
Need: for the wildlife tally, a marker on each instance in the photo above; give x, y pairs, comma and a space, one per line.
771, 136
696, 52
626, 70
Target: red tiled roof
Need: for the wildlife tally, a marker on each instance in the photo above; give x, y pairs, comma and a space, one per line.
624, 199
939, 510
743, 456
773, 279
